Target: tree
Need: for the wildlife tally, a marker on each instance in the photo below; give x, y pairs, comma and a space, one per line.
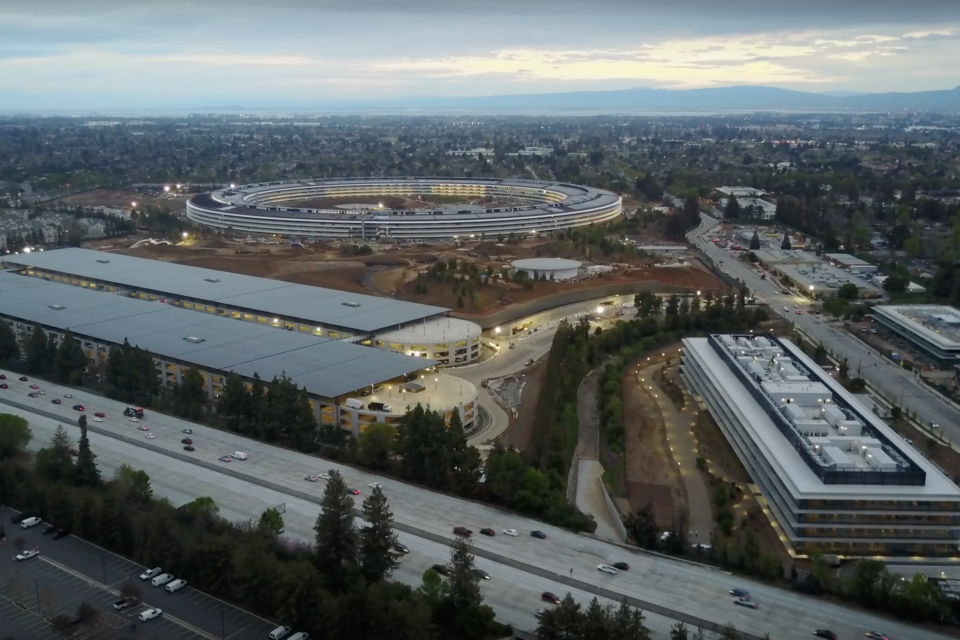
563, 622
38, 358
785, 245
755, 241
465, 460
378, 555
336, 536
376, 445
732, 210
233, 405
647, 303
87, 474
271, 523
9, 348
132, 484
642, 527
679, 632
15, 434
849, 291
190, 396
56, 461
463, 581
69, 361
896, 283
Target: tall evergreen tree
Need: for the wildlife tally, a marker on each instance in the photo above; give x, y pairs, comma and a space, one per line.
335, 552
378, 556
69, 361
785, 245
56, 461
463, 581
190, 397
755, 241
87, 474
732, 210
38, 357
464, 460
9, 349
233, 406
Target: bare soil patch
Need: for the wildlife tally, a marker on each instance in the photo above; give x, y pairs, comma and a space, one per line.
122, 198
521, 427
713, 446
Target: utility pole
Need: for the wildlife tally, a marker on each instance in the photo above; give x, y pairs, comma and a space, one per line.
36, 590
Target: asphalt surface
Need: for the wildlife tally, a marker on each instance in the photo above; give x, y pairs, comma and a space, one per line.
521, 567
896, 384
84, 571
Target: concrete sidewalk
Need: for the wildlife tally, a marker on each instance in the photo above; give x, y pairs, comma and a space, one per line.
590, 500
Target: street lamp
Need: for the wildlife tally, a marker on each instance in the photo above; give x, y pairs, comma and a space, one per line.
185, 234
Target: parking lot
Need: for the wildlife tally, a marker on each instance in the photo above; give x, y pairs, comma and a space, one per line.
70, 571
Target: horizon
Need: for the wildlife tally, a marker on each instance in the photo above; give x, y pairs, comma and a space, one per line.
107, 55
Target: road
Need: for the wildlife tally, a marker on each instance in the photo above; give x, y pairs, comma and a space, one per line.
521, 567
896, 385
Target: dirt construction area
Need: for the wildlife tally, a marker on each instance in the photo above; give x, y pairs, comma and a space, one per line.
403, 271
123, 199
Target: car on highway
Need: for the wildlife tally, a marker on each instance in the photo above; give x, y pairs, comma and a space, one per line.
68, 395
786, 308
149, 573
56, 401
224, 458
606, 568
143, 427
79, 407
2, 377
549, 597
98, 419
32, 521
875, 635
23, 378
510, 532
488, 532
149, 436
825, 633
239, 455
374, 485
749, 604
399, 547
186, 441
311, 478
133, 419
621, 566
324, 476
539, 535
187, 431
353, 492
33, 386
33, 394
462, 531
933, 425
480, 573
799, 312
149, 614
539, 613
27, 554
123, 603
4, 386
740, 593
176, 585
189, 447
100, 414
441, 569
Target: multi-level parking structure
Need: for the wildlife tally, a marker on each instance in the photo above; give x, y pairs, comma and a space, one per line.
534, 207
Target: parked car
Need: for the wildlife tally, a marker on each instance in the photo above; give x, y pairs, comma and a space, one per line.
149, 573
60, 533
32, 521
27, 554
176, 585
49, 529
161, 579
150, 614
123, 603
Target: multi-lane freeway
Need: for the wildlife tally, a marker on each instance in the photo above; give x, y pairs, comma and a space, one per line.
521, 567
895, 384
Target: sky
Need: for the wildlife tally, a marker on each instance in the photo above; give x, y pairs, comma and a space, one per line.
103, 54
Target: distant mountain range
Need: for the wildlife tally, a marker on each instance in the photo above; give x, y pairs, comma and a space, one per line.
744, 98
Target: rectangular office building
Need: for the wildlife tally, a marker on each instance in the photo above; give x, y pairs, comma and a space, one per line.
834, 477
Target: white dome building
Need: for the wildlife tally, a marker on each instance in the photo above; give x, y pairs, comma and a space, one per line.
549, 268
449, 341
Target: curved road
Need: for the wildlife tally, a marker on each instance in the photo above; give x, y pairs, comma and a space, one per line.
521, 567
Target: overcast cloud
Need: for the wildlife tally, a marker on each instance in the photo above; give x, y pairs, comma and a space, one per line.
96, 54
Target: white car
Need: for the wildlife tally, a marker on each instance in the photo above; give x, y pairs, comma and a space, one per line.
311, 478
162, 579
68, 395
133, 419
32, 521
786, 308
607, 569
510, 532
149, 614
324, 476
374, 485
149, 436
98, 419
149, 573
29, 553
239, 455
176, 585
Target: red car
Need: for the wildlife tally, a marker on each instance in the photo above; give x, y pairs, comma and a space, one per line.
354, 492
2, 377
549, 597
4, 386
462, 531
100, 414
56, 401
79, 407
33, 386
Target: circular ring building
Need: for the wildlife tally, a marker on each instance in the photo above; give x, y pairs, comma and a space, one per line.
500, 207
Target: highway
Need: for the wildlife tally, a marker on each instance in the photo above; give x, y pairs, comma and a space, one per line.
521, 567
896, 385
